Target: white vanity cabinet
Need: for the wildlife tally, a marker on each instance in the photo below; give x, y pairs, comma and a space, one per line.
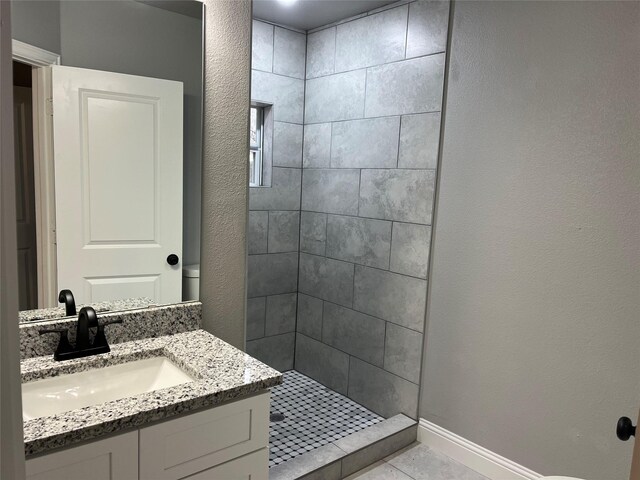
113, 458
227, 442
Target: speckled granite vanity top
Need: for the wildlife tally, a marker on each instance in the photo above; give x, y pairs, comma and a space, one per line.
221, 373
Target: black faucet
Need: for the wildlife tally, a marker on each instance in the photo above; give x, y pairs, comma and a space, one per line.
66, 297
87, 320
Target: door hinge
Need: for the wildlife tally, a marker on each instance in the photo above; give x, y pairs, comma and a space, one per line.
49, 106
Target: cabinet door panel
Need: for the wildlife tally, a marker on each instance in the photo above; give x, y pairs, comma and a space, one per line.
186, 445
114, 458
250, 467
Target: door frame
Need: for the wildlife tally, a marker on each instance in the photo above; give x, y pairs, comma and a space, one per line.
43, 172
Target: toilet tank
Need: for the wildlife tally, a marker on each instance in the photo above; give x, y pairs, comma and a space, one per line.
191, 282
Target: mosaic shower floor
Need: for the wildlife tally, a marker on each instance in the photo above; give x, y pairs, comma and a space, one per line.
314, 415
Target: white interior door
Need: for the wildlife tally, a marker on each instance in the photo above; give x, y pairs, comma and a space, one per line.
118, 184
25, 198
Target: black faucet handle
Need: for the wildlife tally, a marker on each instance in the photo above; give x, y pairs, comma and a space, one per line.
101, 340
64, 347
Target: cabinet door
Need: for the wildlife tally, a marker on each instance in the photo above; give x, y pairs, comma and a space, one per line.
193, 443
254, 466
114, 458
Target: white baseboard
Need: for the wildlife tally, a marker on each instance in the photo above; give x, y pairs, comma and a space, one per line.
474, 456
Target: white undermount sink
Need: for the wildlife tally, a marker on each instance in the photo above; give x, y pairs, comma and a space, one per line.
51, 396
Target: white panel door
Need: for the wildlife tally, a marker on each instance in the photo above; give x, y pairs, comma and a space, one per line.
118, 184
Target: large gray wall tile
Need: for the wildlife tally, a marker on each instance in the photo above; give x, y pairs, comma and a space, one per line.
289, 50
411, 86
255, 317
369, 143
353, 332
321, 48
317, 145
428, 23
284, 231
396, 298
402, 353
419, 140
272, 274
330, 191
262, 46
335, 97
313, 233
276, 351
381, 391
309, 316
287, 145
258, 228
359, 240
403, 195
322, 363
283, 194
280, 314
372, 40
286, 94
326, 278
410, 249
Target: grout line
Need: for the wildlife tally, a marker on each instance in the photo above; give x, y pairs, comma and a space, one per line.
277, 75
376, 65
335, 48
399, 139
358, 311
304, 104
369, 118
369, 218
406, 33
359, 16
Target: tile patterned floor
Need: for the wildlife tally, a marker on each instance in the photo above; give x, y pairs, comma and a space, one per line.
417, 462
314, 416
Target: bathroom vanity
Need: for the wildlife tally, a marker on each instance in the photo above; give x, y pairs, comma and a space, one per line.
172, 407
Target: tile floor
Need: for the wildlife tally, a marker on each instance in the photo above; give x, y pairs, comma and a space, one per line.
314, 416
417, 462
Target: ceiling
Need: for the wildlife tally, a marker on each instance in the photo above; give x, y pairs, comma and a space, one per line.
309, 14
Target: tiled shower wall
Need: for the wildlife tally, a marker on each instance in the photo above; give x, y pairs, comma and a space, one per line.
371, 128
366, 94
278, 71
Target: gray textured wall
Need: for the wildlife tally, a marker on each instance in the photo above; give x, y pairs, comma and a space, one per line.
11, 450
372, 118
225, 171
533, 321
278, 67
37, 22
137, 39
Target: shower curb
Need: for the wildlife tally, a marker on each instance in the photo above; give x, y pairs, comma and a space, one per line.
339, 459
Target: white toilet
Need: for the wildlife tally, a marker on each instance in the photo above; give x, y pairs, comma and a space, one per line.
191, 282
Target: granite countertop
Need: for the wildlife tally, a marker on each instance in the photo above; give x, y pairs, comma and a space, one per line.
100, 307
221, 372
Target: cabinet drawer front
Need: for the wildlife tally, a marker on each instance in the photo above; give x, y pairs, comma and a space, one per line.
114, 458
193, 443
254, 466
